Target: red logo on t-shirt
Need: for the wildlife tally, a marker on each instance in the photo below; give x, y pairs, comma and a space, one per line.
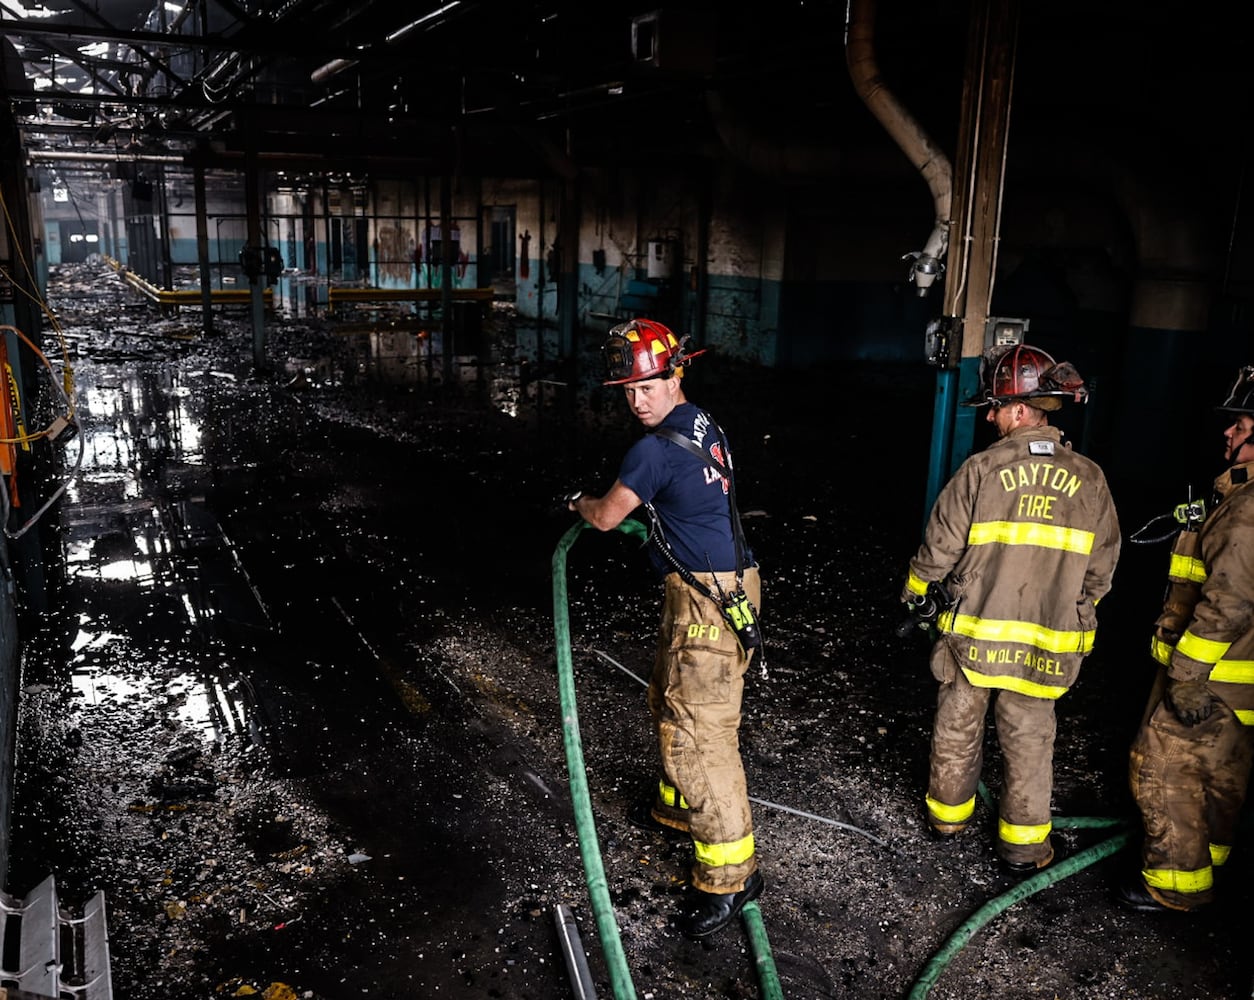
716, 450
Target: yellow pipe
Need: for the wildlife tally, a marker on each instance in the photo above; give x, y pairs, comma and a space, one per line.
170, 297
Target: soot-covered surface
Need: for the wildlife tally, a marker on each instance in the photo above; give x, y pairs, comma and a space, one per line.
296, 708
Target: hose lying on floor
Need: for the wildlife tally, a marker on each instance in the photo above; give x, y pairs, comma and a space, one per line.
1028, 887
585, 826
998, 904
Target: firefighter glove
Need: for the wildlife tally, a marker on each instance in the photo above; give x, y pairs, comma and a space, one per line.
927, 607
1191, 701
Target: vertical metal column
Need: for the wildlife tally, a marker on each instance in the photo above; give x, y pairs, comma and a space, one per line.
117, 232
446, 272
161, 206
975, 225
701, 291
256, 284
202, 251
541, 264
568, 268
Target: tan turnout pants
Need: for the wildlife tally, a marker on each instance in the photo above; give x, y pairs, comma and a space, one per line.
1026, 727
694, 699
1189, 783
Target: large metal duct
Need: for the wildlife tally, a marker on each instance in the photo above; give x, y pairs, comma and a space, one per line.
926, 156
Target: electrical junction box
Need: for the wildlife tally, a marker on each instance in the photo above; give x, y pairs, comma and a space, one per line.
1003, 331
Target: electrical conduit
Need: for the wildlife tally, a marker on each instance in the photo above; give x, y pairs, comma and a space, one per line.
585, 825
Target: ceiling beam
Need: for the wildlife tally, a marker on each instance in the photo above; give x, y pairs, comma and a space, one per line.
25, 28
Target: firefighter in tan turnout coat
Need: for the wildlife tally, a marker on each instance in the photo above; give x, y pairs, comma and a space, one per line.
1190, 762
1024, 538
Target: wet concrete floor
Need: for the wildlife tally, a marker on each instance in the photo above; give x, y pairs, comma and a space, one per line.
295, 708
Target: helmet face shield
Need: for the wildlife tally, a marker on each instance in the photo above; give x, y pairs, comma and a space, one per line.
619, 358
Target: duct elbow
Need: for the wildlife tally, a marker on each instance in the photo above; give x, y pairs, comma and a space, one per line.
924, 269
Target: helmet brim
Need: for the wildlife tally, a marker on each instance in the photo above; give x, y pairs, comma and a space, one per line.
1048, 403
661, 377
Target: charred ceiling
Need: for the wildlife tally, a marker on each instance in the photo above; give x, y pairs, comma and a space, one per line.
526, 87
454, 84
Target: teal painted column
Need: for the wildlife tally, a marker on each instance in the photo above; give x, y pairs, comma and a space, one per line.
964, 422
953, 426
943, 412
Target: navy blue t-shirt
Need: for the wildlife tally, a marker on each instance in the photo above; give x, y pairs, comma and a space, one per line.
690, 497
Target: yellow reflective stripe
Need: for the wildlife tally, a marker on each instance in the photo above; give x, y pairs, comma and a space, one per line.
1027, 633
717, 855
1244, 716
915, 585
1014, 833
1202, 650
669, 795
1017, 684
1176, 881
1219, 853
1233, 671
1186, 569
950, 814
1046, 536
1161, 651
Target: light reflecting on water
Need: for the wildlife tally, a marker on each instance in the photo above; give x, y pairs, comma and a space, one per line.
206, 704
88, 680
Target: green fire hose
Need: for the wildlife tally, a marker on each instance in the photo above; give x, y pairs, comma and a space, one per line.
585, 826
998, 904
1028, 887
768, 977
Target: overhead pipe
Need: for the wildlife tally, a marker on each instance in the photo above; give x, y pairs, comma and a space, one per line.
336, 66
41, 155
926, 156
326, 71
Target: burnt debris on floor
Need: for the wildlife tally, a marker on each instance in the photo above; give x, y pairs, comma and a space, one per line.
295, 710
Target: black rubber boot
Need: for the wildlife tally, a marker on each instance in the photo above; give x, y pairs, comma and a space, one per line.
714, 911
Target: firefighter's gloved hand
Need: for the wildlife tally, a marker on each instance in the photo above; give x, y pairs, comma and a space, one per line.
924, 608
1191, 701
923, 611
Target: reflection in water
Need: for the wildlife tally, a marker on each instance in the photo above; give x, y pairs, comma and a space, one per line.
116, 543
94, 686
216, 706
142, 420
216, 702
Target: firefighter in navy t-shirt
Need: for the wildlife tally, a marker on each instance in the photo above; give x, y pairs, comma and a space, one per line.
681, 473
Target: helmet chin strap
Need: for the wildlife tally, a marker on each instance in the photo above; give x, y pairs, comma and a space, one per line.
1236, 452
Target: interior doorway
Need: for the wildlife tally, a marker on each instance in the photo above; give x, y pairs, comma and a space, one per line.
501, 252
